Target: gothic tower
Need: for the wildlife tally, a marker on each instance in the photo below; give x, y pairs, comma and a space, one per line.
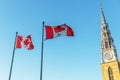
110, 64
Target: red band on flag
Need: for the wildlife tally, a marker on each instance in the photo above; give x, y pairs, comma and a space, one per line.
18, 42
69, 31
49, 32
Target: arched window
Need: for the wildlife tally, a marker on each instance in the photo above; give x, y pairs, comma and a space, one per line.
106, 44
104, 34
110, 73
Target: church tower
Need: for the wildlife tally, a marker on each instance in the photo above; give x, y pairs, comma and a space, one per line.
110, 64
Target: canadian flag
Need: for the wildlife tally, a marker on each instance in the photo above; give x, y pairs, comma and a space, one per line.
24, 42
57, 31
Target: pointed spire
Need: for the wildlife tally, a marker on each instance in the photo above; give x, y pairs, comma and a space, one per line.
107, 44
102, 14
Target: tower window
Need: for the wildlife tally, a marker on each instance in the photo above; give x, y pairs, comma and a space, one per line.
106, 44
104, 34
110, 73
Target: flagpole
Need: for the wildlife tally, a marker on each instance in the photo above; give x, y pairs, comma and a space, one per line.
13, 57
41, 68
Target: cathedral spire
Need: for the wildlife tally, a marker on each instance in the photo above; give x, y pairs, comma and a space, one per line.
107, 46
102, 14
110, 64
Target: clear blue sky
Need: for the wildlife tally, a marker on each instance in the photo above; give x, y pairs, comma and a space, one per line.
65, 58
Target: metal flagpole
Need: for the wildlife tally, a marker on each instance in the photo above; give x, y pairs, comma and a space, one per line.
13, 57
41, 69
